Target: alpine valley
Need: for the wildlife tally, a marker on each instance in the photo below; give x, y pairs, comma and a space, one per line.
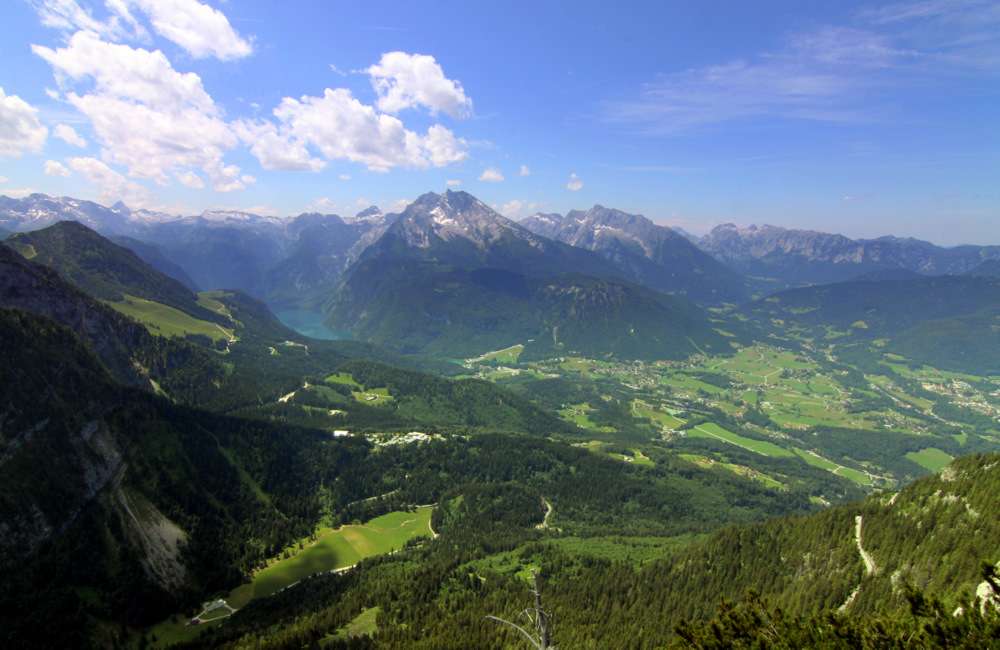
757, 437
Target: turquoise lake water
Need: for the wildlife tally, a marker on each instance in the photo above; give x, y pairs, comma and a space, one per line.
310, 323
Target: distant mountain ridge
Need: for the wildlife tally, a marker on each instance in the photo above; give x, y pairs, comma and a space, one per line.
654, 255
458, 229
800, 257
450, 276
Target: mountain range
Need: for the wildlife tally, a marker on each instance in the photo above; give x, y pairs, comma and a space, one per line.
782, 257
159, 445
650, 254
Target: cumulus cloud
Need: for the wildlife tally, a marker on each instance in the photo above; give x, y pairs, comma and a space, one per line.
324, 204
191, 179
453, 183
70, 16
491, 175
277, 149
574, 184
341, 127
20, 130
525, 171
149, 117
114, 186
518, 209
55, 168
410, 80
345, 177
198, 28
69, 134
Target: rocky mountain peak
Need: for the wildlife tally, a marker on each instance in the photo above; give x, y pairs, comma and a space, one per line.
453, 215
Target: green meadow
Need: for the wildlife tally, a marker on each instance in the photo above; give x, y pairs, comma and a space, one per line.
335, 549
709, 430
167, 321
332, 549
931, 458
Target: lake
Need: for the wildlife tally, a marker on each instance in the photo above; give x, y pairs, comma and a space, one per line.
310, 323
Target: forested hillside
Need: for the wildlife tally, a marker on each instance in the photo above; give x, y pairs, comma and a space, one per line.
928, 539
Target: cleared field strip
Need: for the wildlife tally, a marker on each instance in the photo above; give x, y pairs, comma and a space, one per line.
830, 466
762, 447
643, 410
337, 549
932, 458
507, 355
334, 550
343, 378
167, 321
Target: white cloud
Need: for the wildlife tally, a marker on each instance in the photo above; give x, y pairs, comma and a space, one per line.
55, 168
277, 149
68, 15
148, 117
441, 147
453, 183
20, 130
525, 171
69, 134
3, 179
226, 178
345, 177
518, 209
113, 185
491, 175
324, 204
198, 28
190, 179
341, 127
574, 184
409, 80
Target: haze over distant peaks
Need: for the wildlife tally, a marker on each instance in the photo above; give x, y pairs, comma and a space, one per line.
799, 257
652, 254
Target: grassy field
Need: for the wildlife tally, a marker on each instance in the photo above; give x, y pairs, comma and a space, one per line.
638, 458
682, 381
508, 355
839, 470
931, 458
577, 413
663, 419
380, 395
854, 475
343, 378
765, 448
362, 624
337, 549
704, 461
333, 549
209, 300
576, 364
167, 321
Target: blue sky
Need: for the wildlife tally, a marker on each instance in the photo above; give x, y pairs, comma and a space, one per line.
860, 118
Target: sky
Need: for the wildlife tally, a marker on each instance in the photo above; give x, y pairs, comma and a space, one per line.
865, 119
